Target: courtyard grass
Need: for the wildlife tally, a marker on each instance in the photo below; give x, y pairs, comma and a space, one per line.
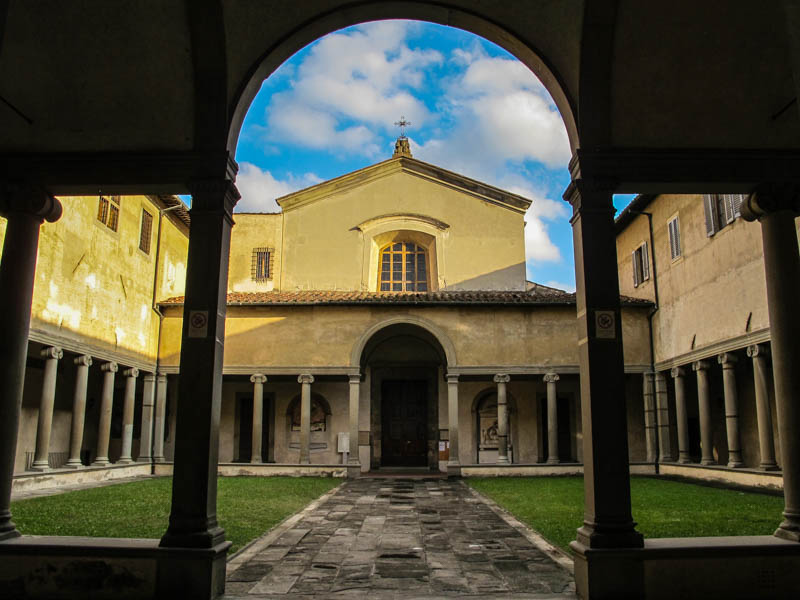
553, 506
246, 508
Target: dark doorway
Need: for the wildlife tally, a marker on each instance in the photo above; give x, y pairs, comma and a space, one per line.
564, 441
245, 409
404, 436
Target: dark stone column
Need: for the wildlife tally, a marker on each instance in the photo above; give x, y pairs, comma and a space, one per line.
78, 411
701, 367
776, 207
127, 415
608, 522
25, 208
662, 418
193, 517
728, 362
766, 442
650, 426
51, 357
552, 419
679, 374
258, 381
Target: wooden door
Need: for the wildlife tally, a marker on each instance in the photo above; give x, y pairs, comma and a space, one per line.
404, 420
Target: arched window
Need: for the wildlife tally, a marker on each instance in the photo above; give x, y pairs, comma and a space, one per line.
404, 268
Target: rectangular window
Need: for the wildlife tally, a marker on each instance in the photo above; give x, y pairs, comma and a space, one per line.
108, 211
146, 232
261, 265
674, 238
641, 265
721, 210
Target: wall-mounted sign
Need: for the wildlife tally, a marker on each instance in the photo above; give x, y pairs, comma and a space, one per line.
605, 324
198, 323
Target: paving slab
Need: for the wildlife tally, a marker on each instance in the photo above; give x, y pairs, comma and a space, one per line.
401, 538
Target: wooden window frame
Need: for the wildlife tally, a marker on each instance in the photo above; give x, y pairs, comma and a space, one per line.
146, 231
403, 284
108, 211
641, 264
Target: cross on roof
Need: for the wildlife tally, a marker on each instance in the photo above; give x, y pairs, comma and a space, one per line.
402, 124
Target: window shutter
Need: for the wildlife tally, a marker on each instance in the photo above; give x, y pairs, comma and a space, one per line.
635, 263
645, 262
676, 226
730, 214
738, 199
709, 203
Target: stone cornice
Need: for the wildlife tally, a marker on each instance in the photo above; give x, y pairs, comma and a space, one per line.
382, 219
714, 349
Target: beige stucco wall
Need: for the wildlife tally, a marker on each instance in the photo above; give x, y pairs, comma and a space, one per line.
323, 336
714, 291
254, 230
335, 239
94, 286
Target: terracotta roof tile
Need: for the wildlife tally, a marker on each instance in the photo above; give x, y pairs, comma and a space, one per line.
549, 296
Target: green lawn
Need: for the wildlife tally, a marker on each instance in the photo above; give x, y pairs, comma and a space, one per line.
553, 506
247, 507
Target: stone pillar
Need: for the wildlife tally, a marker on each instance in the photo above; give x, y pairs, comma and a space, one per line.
258, 381
453, 462
193, 514
160, 419
766, 443
78, 411
106, 405
51, 357
502, 418
353, 462
148, 404
662, 414
305, 418
678, 374
650, 427
701, 367
776, 207
607, 522
127, 415
25, 208
552, 419
728, 362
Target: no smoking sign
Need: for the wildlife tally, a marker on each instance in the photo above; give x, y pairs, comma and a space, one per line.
198, 323
605, 324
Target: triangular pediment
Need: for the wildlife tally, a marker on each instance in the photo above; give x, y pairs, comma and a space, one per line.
410, 166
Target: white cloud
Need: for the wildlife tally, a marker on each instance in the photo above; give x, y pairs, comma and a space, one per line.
561, 285
363, 76
259, 188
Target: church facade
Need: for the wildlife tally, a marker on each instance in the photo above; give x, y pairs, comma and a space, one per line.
381, 320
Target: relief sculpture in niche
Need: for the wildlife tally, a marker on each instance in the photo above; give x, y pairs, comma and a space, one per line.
317, 416
488, 425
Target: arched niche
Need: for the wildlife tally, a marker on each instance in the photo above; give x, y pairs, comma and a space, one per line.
484, 425
321, 434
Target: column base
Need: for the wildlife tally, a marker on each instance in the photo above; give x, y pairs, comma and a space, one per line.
685, 460
192, 573
735, 464
101, 461
125, 461
553, 461
256, 461
159, 459
144, 459
769, 467
454, 469
708, 461
611, 536
353, 470
40, 466
789, 529
10, 530
73, 463
503, 460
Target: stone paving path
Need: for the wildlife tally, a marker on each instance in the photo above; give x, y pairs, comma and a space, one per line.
393, 538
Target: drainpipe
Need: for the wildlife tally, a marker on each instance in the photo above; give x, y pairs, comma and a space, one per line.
650, 319
154, 306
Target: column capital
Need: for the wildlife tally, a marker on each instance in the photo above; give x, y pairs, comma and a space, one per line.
305, 378
727, 360
258, 378
502, 378
758, 350
677, 372
701, 365
551, 377
452, 378
132, 372
31, 199
84, 360
110, 367
770, 198
52, 352
214, 195
354, 378
149, 377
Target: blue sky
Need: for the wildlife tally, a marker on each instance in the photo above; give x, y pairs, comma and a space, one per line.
474, 109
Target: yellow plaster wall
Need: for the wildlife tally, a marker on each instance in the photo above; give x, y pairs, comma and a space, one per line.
714, 291
483, 248
94, 286
321, 336
254, 231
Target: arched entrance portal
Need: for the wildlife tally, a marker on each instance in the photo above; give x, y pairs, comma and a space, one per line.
404, 365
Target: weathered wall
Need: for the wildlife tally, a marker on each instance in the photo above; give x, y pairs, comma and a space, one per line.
254, 231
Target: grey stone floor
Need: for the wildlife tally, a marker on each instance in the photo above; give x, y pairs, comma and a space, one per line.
393, 538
